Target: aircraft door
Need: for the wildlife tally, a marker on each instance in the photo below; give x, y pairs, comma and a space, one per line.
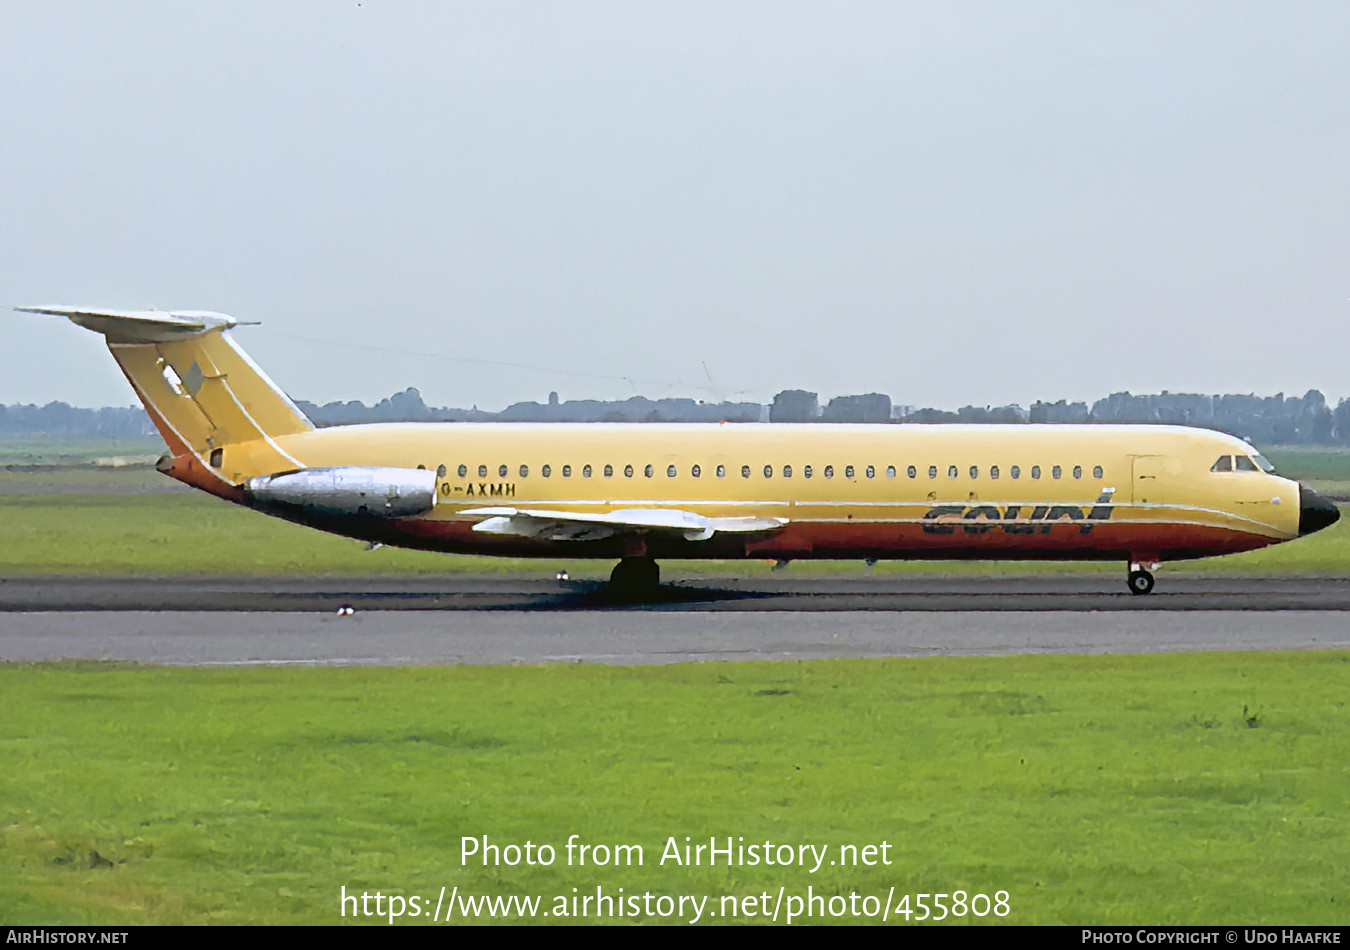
1150, 482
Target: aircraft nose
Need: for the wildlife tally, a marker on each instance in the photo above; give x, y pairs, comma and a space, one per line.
1314, 511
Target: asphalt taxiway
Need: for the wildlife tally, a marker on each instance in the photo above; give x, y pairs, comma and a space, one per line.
789, 594
475, 619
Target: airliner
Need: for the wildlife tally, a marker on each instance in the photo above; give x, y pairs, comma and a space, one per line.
1138, 494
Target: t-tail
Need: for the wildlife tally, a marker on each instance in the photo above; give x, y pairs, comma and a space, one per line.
202, 391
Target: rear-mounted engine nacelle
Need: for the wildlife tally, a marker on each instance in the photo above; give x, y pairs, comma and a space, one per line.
381, 492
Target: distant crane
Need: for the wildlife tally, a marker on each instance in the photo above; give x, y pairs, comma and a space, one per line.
718, 394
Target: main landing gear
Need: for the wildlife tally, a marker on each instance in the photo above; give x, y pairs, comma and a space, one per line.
1140, 580
635, 577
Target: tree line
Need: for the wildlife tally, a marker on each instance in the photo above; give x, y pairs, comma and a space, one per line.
1270, 420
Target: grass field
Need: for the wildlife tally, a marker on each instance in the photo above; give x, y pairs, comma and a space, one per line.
192, 533
38, 450
1204, 788
1324, 468
1186, 789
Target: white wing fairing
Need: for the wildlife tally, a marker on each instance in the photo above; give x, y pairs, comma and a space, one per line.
543, 525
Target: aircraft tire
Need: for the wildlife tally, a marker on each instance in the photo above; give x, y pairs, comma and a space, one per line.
1140, 582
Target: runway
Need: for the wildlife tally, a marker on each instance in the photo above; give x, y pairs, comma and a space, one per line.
786, 593
510, 620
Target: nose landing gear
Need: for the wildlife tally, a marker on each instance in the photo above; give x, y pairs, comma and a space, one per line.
1140, 580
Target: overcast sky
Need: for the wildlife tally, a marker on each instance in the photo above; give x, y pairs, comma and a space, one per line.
948, 202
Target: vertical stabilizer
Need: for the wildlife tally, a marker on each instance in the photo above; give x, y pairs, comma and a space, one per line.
218, 412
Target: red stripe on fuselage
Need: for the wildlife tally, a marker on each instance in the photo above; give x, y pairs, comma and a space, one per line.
1107, 541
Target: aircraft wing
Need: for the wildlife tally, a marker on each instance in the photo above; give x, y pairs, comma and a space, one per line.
546, 525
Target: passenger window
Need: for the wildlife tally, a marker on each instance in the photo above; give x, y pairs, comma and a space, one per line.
1035, 471
974, 471
463, 470
848, 471
745, 471
829, 471
993, 471
670, 471
1015, 471
546, 471
952, 472
1245, 464
501, 471
441, 470
806, 471
890, 471
567, 471
648, 471
628, 471
482, 471
911, 472
1078, 471
1224, 464
721, 471
787, 471
524, 471
768, 471
932, 471
609, 471
871, 472
1055, 471
1097, 471
585, 471
696, 471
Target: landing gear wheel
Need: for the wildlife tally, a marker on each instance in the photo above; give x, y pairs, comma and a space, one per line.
1140, 582
635, 577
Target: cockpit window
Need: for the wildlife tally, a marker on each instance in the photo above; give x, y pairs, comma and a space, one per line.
1224, 464
1263, 464
1245, 464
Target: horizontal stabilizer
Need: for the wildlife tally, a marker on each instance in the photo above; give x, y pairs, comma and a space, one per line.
140, 326
575, 526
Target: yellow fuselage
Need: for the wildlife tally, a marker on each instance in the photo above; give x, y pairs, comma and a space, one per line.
1146, 493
